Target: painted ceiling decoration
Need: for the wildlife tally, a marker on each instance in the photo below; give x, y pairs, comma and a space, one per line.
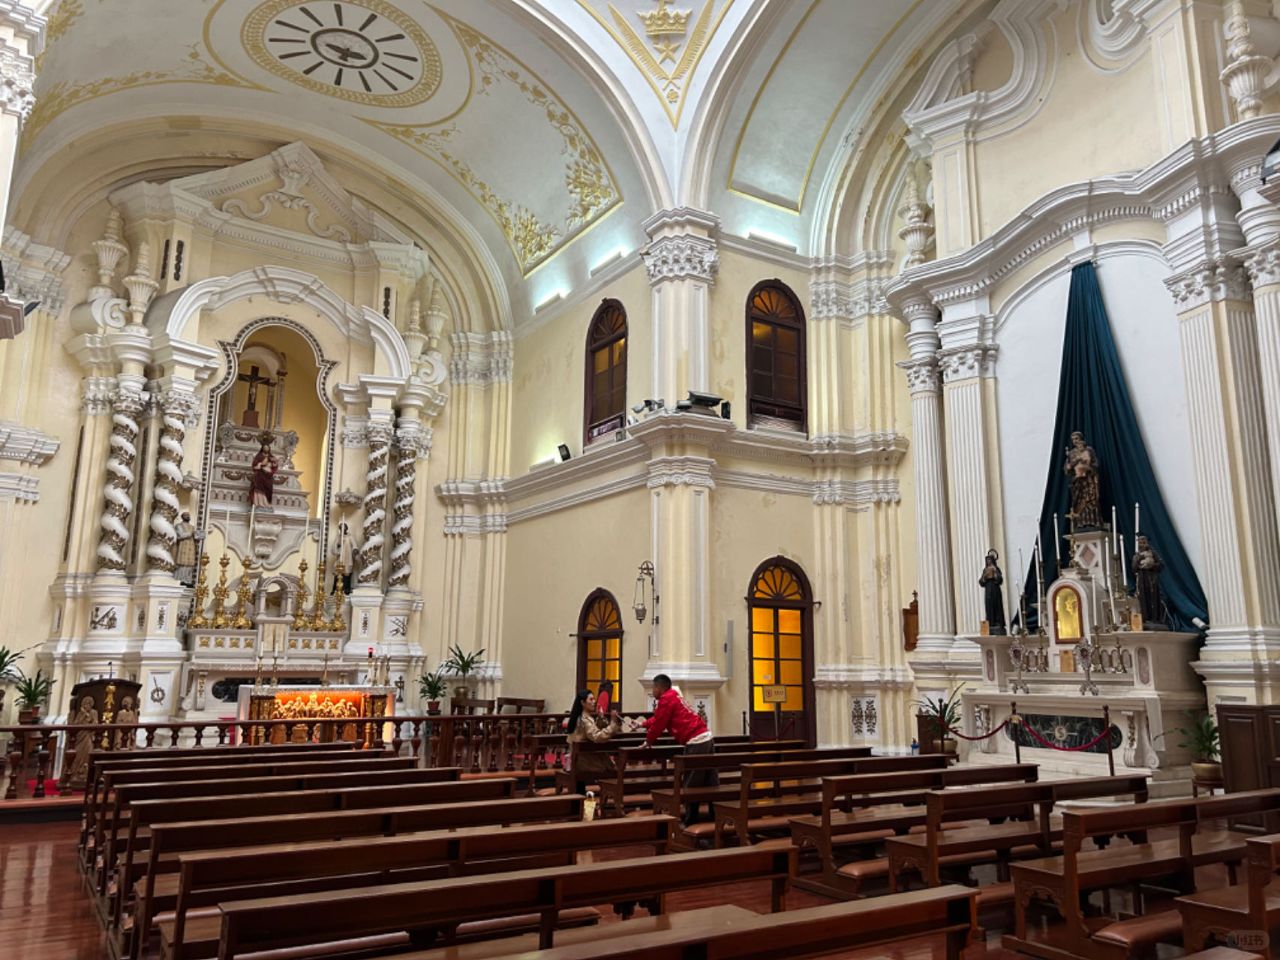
409, 79
665, 43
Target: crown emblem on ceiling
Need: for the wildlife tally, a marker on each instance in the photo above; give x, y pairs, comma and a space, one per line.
663, 22
367, 51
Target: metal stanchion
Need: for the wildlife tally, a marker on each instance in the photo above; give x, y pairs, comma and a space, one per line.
1106, 729
1016, 721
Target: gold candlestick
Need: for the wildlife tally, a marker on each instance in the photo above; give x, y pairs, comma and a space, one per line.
243, 597
257, 674
338, 624
198, 619
300, 618
324, 672
317, 621
220, 618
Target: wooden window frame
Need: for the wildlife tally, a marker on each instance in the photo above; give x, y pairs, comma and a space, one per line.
585, 636
760, 406
806, 607
593, 430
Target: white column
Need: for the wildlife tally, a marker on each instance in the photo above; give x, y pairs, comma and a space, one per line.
969, 482
408, 433
1241, 569
933, 537
375, 502
681, 260
127, 402
177, 404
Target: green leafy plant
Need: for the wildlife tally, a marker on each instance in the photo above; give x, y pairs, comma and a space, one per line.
943, 712
34, 691
1201, 737
462, 664
9, 664
432, 686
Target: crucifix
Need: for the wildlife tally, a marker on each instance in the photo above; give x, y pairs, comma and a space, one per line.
250, 416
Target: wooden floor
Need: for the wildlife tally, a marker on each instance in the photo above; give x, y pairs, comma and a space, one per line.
45, 914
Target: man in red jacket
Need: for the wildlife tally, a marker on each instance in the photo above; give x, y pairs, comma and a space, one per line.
672, 713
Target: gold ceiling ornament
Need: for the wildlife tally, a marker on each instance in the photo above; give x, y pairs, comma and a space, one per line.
669, 51
363, 51
589, 182
63, 15
62, 96
531, 240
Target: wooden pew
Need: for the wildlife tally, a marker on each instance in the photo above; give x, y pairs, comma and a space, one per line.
425, 907
284, 805
208, 878
1242, 914
215, 756
1063, 879
644, 760
872, 806
1031, 826
145, 783
769, 794
170, 840
113, 814
830, 929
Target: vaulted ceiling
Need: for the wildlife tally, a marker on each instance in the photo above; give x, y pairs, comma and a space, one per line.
546, 129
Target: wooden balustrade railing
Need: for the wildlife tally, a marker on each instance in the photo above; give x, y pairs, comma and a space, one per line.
480, 743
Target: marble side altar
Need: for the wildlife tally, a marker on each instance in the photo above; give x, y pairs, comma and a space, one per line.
1087, 656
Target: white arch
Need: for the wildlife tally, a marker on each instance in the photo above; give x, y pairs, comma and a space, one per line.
173, 312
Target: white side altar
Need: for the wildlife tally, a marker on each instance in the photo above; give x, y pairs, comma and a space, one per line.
1143, 677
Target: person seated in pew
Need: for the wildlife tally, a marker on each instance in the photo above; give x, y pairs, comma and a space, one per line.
585, 724
673, 713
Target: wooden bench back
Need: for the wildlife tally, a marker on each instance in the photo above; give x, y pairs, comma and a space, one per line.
911, 786
1091, 788
796, 770
253, 925
830, 929
211, 876
1263, 863
241, 752
521, 705
1238, 804
287, 782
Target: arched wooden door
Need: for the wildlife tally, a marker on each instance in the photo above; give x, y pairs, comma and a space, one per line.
780, 605
600, 644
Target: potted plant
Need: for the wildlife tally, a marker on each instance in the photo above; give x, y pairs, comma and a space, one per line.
8, 673
432, 686
462, 665
33, 693
942, 714
1201, 738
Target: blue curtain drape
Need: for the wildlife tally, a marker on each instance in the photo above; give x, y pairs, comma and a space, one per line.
1094, 399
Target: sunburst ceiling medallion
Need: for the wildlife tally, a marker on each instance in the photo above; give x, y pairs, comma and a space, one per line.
365, 51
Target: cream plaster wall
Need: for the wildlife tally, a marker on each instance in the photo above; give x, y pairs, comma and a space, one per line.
554, 356
554, 562
1078, 132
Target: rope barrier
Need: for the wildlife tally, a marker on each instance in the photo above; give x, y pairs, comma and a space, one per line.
984, 736
1084, 746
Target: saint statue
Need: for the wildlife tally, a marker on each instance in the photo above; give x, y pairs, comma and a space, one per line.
1146, 575
1081, 466
344, 552
125, 739
86, 715
265, 465
188, 547
991, 581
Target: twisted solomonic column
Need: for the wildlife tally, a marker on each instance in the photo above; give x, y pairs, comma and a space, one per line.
127, 402
402, 506
175, 407
375, 502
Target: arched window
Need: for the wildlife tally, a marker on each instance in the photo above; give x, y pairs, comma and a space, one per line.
781, 607
606, 400
600, 644
775, 357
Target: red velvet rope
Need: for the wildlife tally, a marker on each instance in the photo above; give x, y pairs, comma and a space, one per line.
957, 733
1084, 746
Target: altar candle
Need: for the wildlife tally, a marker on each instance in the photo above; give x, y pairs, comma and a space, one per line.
1113, 516
1106, 569
1057, 544
1093, 608
1124, 567
226, 530
1136, 526
1039, 580
253, 508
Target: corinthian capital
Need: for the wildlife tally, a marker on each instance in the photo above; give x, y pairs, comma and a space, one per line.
922, 375
682, 246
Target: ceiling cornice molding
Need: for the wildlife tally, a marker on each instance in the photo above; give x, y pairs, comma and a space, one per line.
1179, 185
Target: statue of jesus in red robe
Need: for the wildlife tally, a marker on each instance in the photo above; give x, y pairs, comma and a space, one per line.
262, 485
